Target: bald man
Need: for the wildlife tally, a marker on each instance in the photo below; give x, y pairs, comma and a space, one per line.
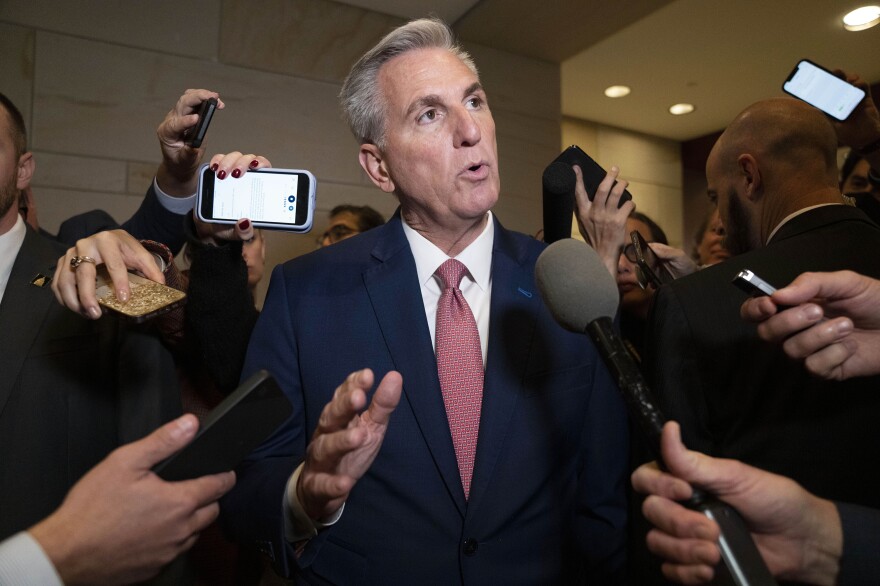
774, 178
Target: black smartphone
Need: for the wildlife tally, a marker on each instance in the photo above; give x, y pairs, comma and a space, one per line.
591, 170
820, 88
148, 298
276, 199
231, 430
752, 284
196, 134
653, 269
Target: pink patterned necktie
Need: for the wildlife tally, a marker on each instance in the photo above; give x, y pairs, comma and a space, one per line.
460, 366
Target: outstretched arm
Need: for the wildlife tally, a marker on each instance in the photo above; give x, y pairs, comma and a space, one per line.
834, 326
799, 535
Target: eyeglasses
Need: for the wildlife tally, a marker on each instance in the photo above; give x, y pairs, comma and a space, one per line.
629, 251
335, 234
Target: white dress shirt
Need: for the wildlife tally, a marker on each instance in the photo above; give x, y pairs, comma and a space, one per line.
10, 244
24, 563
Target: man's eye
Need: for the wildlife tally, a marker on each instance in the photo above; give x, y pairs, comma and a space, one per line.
428, 116
475, 102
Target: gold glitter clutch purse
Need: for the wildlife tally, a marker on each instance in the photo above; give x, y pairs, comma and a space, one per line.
148, 298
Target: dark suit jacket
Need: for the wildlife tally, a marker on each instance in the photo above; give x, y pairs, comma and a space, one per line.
151, 221
860, 564
71, 390
738, 397
547, 502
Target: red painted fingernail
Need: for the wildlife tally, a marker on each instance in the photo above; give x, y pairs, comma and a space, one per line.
214, 167
254, 163
244, 224
221, 175
236, 173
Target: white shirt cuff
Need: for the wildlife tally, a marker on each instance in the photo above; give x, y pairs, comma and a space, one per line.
23, 562
297, 524
175, 205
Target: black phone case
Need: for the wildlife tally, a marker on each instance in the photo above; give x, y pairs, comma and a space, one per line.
593, 172
231, 430
658, 277
197, 133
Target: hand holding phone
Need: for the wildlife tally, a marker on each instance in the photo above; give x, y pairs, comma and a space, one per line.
196, 134
820, 88
650, 268
276, 199
592, 172
231, 430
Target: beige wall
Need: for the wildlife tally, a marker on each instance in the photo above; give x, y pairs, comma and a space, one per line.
651, 165
94, 78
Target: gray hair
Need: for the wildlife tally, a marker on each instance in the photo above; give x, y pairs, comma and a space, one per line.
362, 102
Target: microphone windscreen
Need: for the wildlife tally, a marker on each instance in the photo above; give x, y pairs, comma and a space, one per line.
559, 178
575, 284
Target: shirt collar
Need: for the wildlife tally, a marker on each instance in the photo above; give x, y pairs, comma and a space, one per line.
10, 244
789, 217
477, 257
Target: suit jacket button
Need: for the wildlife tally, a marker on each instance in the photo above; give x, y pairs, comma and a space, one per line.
470, 546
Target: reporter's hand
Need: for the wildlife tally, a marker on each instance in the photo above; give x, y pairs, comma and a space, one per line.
121, 523
677, 260
862, 127
119, 251
346, 441
799, 535
846, 344
601, 223
177, 172
230, 167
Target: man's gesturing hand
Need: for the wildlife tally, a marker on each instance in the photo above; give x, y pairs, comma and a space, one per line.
346, 441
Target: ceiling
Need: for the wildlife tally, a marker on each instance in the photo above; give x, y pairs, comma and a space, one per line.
720, 55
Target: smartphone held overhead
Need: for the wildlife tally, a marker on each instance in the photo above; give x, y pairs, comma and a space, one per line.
196, 135
822, 89
592, 172
275, 199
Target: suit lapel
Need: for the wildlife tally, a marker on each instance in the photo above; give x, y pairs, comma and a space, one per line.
24, 308
515, 303
401, 316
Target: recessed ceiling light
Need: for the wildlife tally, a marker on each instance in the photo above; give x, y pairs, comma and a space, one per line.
679, 109
617, 91
862, 18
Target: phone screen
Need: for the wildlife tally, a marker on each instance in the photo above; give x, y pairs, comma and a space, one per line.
282, 199
822, 89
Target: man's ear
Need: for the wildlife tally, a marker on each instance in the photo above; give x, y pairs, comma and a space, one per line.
26, 166
373, 162
750, 175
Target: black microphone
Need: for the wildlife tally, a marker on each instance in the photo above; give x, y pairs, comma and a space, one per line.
582, 296
559, 183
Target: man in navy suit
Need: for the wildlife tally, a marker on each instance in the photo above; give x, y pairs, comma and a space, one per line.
358, 489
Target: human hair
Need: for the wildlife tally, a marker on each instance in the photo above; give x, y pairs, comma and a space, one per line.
657, 233
16, 127
365, 216
363, 104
